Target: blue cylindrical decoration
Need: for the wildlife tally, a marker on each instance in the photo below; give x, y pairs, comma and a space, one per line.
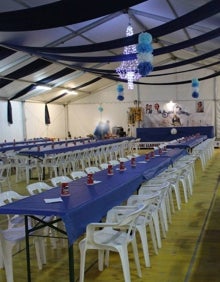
195, 88
120, 90
144, 56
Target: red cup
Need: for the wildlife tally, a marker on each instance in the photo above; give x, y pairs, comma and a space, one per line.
90, 178
133, 161
65, 189
122, 166
110, 169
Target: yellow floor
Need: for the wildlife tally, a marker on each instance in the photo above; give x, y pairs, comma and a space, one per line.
190, 253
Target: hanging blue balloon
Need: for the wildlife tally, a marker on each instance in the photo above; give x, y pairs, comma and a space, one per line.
195, 82
120, 97
100, 109
145, 68
143, 47
120, 88
195, 94
145, 37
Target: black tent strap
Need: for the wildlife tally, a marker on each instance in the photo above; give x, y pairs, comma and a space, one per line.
60, 13
197, 15
111, 77
119, 58
156, 68
24, 71
45, 80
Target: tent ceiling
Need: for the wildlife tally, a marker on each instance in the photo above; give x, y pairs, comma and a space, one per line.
60, 25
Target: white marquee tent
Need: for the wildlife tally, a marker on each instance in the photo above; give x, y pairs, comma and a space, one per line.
71, 49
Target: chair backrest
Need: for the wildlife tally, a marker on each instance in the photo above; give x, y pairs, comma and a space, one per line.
128, 219
60, 179
92, 169
156, 186
37, 187
103, 166
5, 170
77, 174
10, 196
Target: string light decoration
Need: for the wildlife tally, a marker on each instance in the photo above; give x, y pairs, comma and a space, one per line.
128, 69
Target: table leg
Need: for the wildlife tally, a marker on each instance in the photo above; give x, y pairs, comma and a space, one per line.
27, 249
71, 264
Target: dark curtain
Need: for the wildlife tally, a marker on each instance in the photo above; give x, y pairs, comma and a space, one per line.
47, 115
10, 118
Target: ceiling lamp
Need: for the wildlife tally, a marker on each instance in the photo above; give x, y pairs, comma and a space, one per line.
43, 87
128, 69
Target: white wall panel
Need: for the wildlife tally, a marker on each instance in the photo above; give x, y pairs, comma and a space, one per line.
9, 132
35, 123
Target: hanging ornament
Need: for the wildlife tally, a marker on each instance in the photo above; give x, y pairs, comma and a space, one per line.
100, 109
120, 90
195, 88
145, 56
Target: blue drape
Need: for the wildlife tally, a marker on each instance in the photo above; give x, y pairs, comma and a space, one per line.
47, 115
9, 115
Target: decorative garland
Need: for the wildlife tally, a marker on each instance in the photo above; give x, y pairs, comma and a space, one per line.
145, 56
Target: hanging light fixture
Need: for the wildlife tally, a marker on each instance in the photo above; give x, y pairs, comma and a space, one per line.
128, 69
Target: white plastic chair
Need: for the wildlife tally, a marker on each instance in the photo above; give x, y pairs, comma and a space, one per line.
161, 208
25, 166
78, 174
145, 220
37, 187
114, 162
112, 235
92, 169
13, 236
51, 165
103, 166
60, 179
5, 173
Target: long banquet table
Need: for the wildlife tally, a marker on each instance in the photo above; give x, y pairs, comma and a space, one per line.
89, 203
188, 143
35, 152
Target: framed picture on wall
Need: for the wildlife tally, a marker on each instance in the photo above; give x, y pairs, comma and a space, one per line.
200, 106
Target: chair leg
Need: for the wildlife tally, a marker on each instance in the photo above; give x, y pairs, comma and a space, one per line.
125, 264
136, 257
153, 237
8, 262
143, 236
157, 228
82, 260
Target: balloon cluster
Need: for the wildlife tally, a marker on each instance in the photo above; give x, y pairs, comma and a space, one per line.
144, 56
120, 90
195, 88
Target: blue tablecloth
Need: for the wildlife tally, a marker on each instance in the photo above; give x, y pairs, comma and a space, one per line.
189, 143
71, 147
90, 203
33, 145
163, 134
